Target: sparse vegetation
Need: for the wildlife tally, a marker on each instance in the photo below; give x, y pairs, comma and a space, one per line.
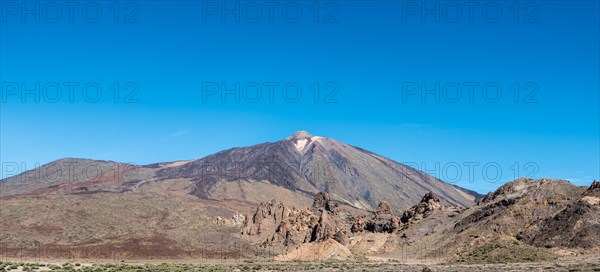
505, 252
288, 266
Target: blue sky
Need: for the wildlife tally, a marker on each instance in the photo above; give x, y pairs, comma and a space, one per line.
365, 57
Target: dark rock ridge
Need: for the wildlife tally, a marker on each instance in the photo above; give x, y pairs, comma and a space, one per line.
576, 226
542, 213
518, 205
594, 189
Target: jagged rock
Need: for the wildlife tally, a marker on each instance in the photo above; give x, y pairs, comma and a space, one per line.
382, 221
383, 224
359, 225
327, 224
267, 215
294, 227
324, 230
431, 197
487, 198
429, 203
383, 208
594, 189
323, 201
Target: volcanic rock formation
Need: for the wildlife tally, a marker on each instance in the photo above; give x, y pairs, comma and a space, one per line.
297, 226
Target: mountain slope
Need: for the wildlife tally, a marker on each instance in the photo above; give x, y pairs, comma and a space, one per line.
307, 164
541, 213
301, 165
71, 175
577, 225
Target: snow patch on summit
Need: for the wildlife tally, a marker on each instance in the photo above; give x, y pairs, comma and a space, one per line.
300, 144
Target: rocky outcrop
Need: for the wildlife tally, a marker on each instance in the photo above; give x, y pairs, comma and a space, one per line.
541, 213
576, 226
512, 189
323, 201
326, 228
383, 208
267, 216
488, 212
387, 223
359, 225
594, 189
235, 220
295, 227
429, 203
382, 220
516, 207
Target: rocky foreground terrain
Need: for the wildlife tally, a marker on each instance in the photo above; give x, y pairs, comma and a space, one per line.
523, 221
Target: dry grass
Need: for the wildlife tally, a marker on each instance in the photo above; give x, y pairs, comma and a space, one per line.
505, 252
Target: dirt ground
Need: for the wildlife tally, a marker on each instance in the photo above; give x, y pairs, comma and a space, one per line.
567, 263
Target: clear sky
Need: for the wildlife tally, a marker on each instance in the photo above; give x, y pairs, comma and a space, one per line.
375, 65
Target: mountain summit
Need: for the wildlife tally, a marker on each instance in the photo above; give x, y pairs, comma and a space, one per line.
301, 139
299, 135
307, 164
